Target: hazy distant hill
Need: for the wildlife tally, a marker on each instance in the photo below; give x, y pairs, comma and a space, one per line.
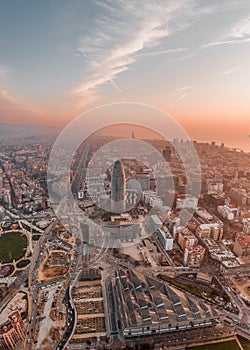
9, 131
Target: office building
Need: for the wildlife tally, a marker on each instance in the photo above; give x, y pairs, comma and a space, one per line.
165, 239
144, 181
118, 188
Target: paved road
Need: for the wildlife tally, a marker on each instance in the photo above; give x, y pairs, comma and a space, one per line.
33, 288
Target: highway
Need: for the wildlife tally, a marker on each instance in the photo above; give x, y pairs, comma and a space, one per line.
33, 288
244, 311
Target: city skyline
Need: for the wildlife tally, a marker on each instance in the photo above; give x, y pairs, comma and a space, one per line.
184, 57
124, 174
152, 271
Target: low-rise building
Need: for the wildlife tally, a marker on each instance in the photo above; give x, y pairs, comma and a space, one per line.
194, 255
242, 246
238, 196
186, 239
150, 198
213, 230
12, 332
246, 227
226, 212
214, 187
187, 202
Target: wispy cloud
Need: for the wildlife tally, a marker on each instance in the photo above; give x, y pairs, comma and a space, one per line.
162, 52
11, 101
177, 95
242, 29
123, 56
117, 87
239, 34
5, 75
182, 96
3, 72
235, 69
225, 42
183, 88
141, 26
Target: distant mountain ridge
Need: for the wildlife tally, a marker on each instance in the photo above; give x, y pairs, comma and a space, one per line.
9, 131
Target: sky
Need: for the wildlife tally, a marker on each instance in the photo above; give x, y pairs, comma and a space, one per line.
189, 58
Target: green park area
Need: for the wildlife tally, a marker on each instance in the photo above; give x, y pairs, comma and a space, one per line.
226, 345
244, 343
12, 246
194, 289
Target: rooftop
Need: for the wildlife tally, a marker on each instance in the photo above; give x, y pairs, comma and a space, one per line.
146, 301
244, 241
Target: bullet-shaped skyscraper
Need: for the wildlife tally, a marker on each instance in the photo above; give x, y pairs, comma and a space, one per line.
118, 188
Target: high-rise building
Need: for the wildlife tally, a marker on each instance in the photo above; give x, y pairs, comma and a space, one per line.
167, 153
118, 188
144, 181
96, 188
1, 178
165, 238
213, 145
164, 186
132, 197
155, 222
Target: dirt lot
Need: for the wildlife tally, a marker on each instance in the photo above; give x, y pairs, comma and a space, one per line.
53, 272
242, 284
244, 289
48, 273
